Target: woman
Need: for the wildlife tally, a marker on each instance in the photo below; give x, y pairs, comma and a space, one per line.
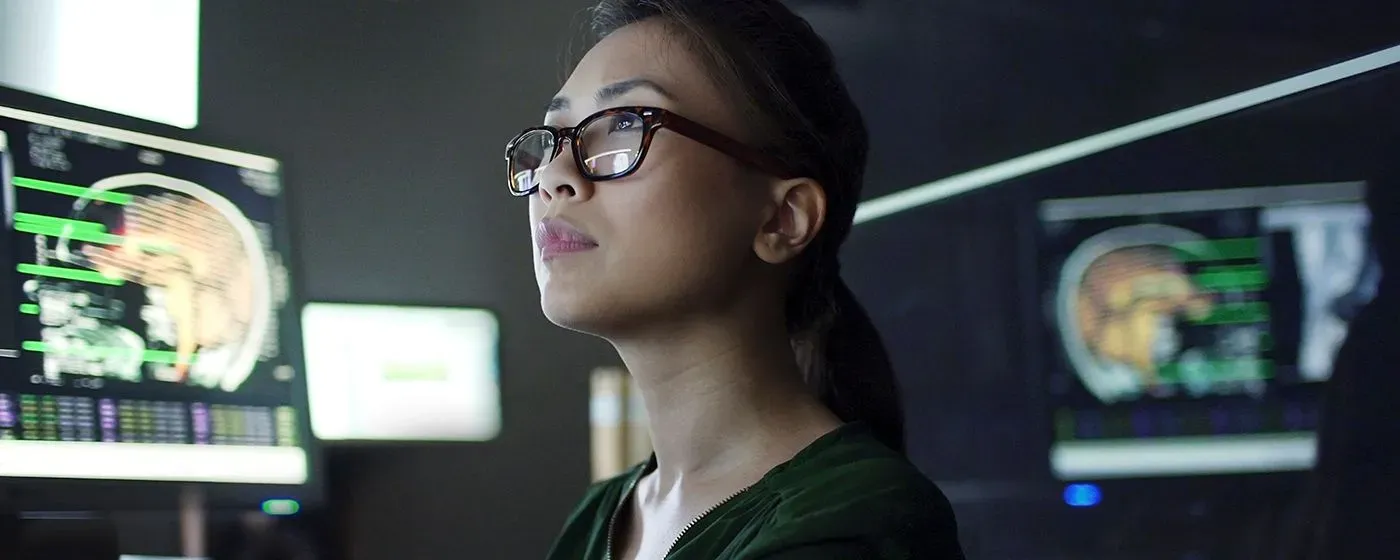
689, 191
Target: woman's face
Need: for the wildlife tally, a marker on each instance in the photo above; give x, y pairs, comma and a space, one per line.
672, 240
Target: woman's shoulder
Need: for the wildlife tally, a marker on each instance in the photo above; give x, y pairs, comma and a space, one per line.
851, 463
857, 472
855, 492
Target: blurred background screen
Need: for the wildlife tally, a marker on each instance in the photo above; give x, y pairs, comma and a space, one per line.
1194, 329
380, 372
144, 297
134, 57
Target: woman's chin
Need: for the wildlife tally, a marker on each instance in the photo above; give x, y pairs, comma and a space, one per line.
582, 316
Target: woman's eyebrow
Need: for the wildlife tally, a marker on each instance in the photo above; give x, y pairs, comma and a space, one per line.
612, 91
618, 89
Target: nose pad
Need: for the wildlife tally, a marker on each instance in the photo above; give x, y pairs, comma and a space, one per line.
564, 178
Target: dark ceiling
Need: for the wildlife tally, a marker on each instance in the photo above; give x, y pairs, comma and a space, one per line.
953, 85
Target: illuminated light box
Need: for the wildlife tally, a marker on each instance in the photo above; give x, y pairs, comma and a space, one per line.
134, 57
402, 373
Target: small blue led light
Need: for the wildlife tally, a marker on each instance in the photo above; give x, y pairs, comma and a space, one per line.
1082, 495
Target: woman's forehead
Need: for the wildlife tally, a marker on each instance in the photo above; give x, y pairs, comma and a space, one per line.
645, 51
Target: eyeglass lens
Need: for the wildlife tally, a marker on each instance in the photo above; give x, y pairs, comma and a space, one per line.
609, 144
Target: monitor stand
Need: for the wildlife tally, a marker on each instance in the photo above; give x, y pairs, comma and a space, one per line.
9, 527
92, 535
42, 535
193, 525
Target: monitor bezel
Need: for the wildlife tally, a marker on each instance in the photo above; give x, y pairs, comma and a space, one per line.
1035, 291
1045, 184
25, 494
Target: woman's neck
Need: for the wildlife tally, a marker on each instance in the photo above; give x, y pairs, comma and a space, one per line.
722, 397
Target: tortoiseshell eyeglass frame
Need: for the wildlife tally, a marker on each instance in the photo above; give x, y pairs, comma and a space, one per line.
653, 119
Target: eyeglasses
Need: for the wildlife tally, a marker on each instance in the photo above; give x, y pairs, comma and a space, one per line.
612, 143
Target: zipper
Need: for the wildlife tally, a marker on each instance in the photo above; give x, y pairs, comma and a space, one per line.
612, 521
697, 519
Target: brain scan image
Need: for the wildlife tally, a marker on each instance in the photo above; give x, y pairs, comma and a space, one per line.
1127, 304
1136, 319
195, 264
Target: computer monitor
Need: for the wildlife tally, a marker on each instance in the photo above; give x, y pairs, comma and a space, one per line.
1191, 331
146, 331
402, 373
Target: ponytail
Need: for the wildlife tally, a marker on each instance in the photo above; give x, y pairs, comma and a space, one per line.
844, 360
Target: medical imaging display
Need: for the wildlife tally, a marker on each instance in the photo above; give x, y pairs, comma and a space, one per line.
1191, 331
143, 291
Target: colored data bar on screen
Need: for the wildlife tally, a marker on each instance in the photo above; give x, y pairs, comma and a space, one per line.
1250, 277
74, 234
59, 223
62, 273
1183, 420
415, 372
30, 417
7, 412
242, 425
287, 426
1183, 456
151, 356
1247, 369
1237, 314
1243, 248
72, 190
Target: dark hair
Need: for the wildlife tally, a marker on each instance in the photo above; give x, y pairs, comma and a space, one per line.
1354, 437
782, 77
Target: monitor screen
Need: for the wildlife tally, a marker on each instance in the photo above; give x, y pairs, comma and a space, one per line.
133, 57
397, 373
143, 303
1193, 330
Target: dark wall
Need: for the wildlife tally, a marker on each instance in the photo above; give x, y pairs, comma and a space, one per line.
963, 321
391, 118
391, 114
952, 85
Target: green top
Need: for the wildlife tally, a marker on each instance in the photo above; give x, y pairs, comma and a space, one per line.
846, 496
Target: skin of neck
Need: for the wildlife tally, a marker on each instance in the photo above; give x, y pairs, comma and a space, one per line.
723, 394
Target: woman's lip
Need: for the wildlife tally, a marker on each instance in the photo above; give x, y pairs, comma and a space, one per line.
552, 249
556, 236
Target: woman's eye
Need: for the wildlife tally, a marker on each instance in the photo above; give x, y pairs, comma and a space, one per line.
624, 125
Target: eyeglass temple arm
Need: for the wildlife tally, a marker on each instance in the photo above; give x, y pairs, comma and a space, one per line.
709, 137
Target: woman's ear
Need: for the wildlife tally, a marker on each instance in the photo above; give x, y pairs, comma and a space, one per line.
796, 212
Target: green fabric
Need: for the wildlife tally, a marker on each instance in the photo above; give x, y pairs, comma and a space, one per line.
846, 496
